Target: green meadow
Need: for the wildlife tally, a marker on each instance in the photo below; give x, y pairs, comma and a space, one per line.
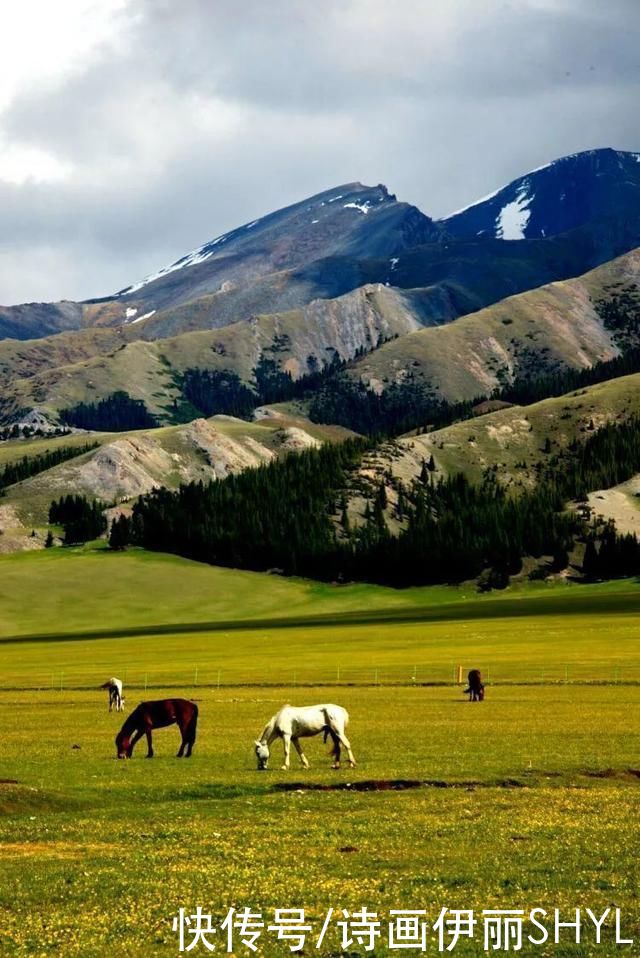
526, 800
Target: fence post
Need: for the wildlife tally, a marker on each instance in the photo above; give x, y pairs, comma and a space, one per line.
375, 680
145, 681
195, 677
566, 674
459, 675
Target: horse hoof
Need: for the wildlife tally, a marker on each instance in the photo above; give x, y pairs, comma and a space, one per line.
284, 768
336, 765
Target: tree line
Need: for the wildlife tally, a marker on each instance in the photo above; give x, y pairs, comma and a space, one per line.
291, 515
82, 519
29, 466
118, 412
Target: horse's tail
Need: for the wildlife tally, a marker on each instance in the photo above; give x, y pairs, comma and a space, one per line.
335, 747
193, 724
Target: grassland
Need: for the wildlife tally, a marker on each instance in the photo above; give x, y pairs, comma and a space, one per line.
161, 619
529, 802
526, 800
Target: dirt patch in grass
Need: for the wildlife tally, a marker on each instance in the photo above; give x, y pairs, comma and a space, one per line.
391, 785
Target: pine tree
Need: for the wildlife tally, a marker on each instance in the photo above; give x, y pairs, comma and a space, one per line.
120, 534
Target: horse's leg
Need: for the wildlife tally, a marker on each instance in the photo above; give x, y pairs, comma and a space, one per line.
135, 738
343, 740
286, 742
303, 757
183, 733
147, 732
191, 734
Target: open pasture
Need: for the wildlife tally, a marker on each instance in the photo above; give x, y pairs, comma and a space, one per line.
71, 618
526, 800
530, 800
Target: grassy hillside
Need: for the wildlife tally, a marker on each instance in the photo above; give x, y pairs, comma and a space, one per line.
556, 325
128, 464
53, 374
559, 324
514, 439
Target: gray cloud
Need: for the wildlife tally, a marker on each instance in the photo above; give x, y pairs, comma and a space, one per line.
205, 115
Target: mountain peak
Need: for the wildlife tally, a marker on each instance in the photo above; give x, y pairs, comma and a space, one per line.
352, 220
553, 198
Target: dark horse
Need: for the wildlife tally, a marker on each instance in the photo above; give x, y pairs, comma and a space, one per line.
475, 691
150, 715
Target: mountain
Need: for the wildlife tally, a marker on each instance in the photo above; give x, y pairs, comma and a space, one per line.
580, 211
52, 374
553, 199
259, 267
563, 324
351, 221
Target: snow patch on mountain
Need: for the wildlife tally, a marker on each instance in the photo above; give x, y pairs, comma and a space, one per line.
363, 207
191, 259
140, 318
512, 219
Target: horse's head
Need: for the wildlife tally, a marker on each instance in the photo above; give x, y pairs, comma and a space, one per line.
123, 745
262, 755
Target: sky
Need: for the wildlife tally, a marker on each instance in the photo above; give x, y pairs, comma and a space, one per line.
132, 131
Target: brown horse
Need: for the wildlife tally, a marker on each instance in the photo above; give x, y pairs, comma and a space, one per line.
160, 714
475, 691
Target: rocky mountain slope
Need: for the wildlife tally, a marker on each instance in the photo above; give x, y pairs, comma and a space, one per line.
54, 373
562, 324
127, 465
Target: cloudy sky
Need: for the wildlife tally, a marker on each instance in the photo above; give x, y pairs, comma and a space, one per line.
132, 131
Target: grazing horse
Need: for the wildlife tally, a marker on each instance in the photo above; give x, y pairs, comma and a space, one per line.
160, 714
114, 687
475, 689
291, 724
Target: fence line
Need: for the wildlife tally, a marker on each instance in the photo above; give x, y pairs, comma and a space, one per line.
376, 676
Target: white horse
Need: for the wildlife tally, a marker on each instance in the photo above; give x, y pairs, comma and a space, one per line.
291, 724
114, 687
